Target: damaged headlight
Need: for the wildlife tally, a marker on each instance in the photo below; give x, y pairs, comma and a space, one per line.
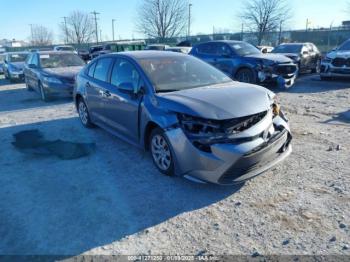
198, 126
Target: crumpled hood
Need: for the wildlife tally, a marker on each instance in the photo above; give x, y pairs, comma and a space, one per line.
65, 72
19, 65
290, 55
218, 102
339, 53
276, 58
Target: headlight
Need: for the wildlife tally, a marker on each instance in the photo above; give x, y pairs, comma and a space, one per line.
52, 80
14, 69
197, 126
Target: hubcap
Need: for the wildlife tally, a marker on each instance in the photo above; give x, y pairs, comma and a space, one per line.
161, 152
83, 113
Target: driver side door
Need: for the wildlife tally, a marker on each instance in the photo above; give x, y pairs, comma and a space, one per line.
121, 107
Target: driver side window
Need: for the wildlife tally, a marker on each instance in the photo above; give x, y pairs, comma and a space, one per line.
124, 72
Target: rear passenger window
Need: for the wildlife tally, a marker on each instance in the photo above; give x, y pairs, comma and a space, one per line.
92, 70
102, 68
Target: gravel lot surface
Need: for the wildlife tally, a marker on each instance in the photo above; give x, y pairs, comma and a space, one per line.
115, 202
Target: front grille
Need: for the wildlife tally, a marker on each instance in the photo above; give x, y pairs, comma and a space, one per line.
285, 69
340, 62
240, 124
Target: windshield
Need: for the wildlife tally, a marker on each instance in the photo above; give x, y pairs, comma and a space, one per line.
1, 59
155, 47
287, 49
17, 58
345, 46
60, 60
169, 74
65, 48
242, 49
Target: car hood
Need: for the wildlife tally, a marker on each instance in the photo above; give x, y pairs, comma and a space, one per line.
65, 72
290, 55
19, 65
339, 53
276, 58
218, 102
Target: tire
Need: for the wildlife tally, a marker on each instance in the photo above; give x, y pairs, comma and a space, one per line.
161, 152
317, 69
28, 87
43, 95
84, 114
246, 75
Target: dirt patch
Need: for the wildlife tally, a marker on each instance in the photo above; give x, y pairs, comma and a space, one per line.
33, 142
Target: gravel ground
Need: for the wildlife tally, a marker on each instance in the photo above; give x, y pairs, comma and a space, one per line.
115, 202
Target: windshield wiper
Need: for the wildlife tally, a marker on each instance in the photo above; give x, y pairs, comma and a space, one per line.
167, 90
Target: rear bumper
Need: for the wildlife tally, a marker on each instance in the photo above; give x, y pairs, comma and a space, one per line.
230, 163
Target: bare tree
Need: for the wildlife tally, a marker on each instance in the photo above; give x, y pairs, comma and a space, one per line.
162, 18
264, 16
40, 35
78, 28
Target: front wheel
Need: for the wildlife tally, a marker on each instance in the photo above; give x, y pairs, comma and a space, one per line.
317, 69
161, 152
246, 76
43, 94
28, 87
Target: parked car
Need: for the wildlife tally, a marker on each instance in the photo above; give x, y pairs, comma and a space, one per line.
66, 48
179, 49
194, 119
245, 63
157, 47
120, 46
84, 54
95, 49
305, 55
336, 63
2, 57
13, 65
52, 73
265, 49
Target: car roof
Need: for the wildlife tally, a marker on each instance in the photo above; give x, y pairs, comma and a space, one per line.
52, 52
224, 41
296, 43
15, 53
146, 54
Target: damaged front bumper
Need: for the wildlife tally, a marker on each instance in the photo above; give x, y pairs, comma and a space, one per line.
236, 159
284, 75
329, 70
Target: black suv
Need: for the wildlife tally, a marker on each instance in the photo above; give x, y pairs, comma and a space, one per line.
305, 55
245, 63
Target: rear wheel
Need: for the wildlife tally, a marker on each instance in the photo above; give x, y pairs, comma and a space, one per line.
246, 76
84, 114
161, 152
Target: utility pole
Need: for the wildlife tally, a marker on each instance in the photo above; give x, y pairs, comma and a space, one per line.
280, 33
113, 20
31, 33
95, 18
242, 32
329, 35
189, 20
65, 27
101, 35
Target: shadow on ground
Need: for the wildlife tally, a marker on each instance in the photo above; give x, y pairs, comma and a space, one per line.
52, 206
311, 83
343, 117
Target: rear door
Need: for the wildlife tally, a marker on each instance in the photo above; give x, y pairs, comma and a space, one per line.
207, 52
97, 79
121, 108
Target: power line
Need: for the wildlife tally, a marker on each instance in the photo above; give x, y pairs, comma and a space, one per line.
95, 18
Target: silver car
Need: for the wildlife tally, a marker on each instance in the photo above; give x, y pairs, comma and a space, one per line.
195, 121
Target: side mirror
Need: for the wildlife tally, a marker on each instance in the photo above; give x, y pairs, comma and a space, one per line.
264, 51
305, 52
5, 61
128, 87
226, 55
32, 66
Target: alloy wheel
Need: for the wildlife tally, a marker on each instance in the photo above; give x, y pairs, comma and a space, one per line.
83, 113
161, 152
